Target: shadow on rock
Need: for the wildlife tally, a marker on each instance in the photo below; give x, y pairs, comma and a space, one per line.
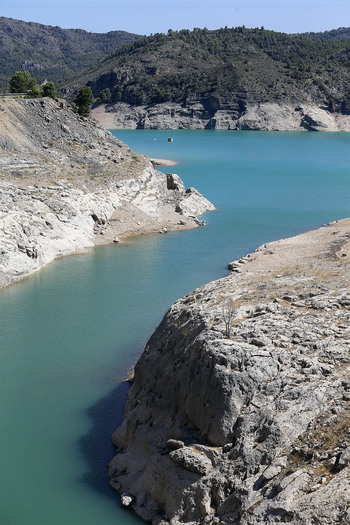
97, 448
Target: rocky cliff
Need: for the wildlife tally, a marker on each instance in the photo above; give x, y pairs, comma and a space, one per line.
268, 116
239, 409
67, 184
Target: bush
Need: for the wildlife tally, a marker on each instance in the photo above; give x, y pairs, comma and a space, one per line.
49, 90
105, 95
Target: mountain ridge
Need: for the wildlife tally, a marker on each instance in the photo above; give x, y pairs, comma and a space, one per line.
250, 64
51, 52
228, 70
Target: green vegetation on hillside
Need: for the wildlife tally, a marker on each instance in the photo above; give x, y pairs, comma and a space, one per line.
49, 90
22, 82
225, 67
334, 34
52, 52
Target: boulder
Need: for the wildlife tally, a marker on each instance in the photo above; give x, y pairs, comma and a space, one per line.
174, 182
190, 459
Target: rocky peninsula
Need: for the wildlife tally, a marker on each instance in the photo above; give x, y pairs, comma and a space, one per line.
66, 184
239, 409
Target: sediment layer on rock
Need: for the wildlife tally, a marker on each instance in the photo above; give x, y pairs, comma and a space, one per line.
252, 428
263, 116
67, 184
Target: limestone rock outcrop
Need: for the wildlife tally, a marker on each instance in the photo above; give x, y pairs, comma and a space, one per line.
254, 428
267, 116
67, 184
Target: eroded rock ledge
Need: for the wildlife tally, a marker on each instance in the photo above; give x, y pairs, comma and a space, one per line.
269, 116
254, 428
67, 184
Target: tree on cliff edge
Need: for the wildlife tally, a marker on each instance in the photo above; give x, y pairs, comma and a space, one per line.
49, 90
83, 101
23, 82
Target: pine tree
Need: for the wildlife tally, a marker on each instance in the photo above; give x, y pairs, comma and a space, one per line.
83, 101
49, 90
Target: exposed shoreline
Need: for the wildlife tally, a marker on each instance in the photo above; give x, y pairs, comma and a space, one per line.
163, 162
317, 243
101, 217
248, 426
123, 224
130, 230
268, 116
67, 185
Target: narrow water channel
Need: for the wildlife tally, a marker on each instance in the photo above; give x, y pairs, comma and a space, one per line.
69, 333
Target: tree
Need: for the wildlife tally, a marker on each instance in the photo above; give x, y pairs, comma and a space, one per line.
228, 314
22, 82
49, 90
19, 82
34, 92
83, 101
105, 95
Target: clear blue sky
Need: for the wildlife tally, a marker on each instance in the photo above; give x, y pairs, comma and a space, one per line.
152, 16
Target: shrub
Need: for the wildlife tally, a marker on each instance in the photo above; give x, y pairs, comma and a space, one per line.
49, 90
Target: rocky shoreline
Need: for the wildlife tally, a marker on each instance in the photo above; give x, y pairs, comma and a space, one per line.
66, 184
239, 410
267, 116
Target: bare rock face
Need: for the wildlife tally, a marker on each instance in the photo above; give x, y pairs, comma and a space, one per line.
191, 460
66, 184
254, 428
268, 116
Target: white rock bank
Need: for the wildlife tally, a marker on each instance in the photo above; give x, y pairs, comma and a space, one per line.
239, 412
66, 184
267, 116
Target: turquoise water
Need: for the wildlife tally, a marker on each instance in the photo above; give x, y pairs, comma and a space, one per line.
266, 184
69, 333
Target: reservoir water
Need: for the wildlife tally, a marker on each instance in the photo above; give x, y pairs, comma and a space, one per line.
69, 333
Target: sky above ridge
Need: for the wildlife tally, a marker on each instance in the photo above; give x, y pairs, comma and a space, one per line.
157, 16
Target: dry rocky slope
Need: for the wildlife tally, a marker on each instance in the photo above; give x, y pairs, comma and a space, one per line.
252, 428
67, 184
268, 116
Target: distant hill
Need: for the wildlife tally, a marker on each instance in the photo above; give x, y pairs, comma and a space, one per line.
334, 34
52, 52
225, 67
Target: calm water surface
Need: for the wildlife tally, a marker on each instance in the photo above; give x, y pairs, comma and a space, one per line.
69, 333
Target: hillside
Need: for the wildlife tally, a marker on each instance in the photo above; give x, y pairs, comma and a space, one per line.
67, 184
53, 53
230, 67
334, 34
